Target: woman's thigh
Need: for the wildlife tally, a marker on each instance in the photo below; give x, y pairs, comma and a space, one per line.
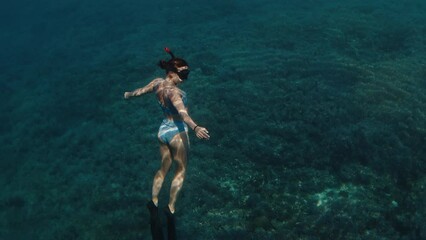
179, 147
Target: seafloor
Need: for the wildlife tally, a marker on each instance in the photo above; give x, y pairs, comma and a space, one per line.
316, 110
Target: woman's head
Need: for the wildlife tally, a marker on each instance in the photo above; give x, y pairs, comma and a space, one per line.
176, 65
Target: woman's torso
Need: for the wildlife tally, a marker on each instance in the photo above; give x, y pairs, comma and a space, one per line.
164, 91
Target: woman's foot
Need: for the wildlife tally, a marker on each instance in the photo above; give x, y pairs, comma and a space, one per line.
156, 231
171, 226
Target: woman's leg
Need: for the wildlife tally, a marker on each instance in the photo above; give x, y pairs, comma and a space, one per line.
179, 149
166, 162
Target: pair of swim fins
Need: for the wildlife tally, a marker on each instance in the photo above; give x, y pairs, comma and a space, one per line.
156, 230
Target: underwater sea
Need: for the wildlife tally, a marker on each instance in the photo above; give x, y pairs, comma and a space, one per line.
316, 111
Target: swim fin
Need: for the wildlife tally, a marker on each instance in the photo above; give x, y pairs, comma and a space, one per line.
171, 226
156, 232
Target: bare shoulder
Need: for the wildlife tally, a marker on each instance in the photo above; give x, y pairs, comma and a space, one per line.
156, 81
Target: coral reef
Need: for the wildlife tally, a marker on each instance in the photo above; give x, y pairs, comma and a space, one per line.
316, 111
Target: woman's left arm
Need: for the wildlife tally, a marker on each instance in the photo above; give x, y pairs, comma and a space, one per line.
140, 91
177, 102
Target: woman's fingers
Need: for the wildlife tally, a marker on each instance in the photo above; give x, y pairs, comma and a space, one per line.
203, 133
127, 95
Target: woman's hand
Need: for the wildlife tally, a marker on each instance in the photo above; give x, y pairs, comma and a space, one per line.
202, 133
127, 95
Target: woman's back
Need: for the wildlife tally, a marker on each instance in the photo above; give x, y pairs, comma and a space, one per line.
164, 92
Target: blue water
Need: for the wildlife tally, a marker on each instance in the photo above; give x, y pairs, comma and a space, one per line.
316, 110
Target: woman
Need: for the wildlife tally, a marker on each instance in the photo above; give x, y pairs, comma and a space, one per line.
172, 135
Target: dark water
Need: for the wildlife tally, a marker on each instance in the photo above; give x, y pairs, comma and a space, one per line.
316, 109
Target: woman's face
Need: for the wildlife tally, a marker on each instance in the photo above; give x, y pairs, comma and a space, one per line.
180, 75
182, 72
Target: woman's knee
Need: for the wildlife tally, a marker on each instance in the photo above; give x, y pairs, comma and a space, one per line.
178, 180
180, 169
161, 174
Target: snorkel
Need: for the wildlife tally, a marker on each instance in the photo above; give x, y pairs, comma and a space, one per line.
176, 65
169, 52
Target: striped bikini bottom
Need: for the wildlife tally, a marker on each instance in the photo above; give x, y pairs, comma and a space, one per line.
169, 128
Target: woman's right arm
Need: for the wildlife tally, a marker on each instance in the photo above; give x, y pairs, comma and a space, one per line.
140, 91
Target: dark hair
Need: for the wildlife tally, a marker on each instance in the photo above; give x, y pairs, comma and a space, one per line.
173, 64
